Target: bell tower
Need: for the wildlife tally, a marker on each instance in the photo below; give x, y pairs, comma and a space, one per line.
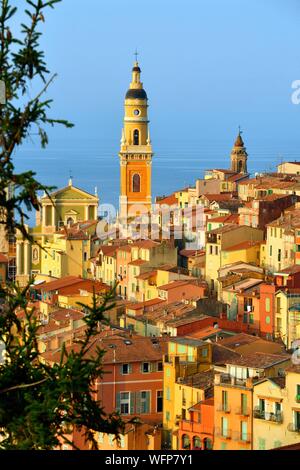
136, 151
239, 155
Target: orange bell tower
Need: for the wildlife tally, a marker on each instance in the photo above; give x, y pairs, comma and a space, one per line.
136, 151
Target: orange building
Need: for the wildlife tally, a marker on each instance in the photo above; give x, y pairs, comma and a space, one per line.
233, 395
197, 432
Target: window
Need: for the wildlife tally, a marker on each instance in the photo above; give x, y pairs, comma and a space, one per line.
268, 304
244, 431
136, 137
224, 427
167, 415
146, 367
136, 183
278, 305
204, 352
125, 403
168, 393
270, 250
225, 400
183, 414
244, 403
210, 249
279, 255
261, 443
159, 401
85, 256
160, 366
216, 250
126, 369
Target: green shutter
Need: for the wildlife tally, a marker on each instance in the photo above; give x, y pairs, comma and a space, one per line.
138, 403
118, 401
132, 400
148, 396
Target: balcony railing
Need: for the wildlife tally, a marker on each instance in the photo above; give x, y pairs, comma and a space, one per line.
293, 427
223, 433
267, 416
243, 411
224, 407
241, 437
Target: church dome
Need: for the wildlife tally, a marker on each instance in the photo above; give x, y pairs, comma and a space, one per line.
136, 94
239, 141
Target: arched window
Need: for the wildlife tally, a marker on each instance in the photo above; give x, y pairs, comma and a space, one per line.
136, 183
196, 443
186, 443
240, 166
136, 137
70, 221
208, 445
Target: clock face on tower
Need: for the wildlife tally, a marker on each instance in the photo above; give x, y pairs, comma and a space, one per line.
136, 112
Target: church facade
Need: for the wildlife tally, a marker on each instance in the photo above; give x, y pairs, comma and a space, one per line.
63, 217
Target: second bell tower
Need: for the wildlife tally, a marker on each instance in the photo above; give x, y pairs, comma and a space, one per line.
136, 151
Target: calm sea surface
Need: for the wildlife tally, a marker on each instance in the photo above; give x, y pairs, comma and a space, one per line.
176, 164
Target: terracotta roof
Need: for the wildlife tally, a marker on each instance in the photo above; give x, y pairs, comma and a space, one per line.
191, 253
178, 283
137, 262
168, 200
241, 339
108, 250
260, 360
58, 284
85, 285
122, 348
148, 303
225, 228
146, 275
294, 269
202, 380
223, 355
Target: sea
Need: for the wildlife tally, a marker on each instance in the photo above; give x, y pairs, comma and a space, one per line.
94, 163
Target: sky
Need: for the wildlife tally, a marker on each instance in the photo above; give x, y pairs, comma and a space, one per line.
208, 66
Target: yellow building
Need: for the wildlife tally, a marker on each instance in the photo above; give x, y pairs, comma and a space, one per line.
136, 151
287, 315
277, 411
229, 244
289, 168
185, 357
61, 211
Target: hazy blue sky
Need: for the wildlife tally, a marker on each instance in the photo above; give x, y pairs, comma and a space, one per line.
207, 65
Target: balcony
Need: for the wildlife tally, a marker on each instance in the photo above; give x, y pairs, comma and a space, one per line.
242, 411
267, 416
223, 407
293, 427
242, 438
223, 433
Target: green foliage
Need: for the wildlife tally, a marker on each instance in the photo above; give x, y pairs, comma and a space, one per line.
40, 404
22, 65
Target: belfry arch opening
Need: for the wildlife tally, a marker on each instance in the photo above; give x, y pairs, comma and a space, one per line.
240, 166
136, 137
